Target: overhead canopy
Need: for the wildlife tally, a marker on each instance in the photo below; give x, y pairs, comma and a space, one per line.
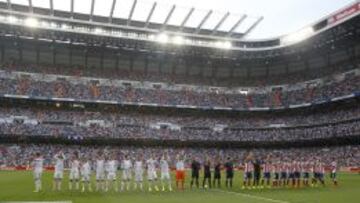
150, 12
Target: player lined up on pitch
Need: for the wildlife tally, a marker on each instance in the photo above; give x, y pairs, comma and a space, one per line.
258, 174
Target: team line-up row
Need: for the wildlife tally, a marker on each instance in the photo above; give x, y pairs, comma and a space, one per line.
257, 173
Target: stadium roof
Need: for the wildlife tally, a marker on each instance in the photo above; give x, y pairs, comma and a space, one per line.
147, 20
231, 10
206, 21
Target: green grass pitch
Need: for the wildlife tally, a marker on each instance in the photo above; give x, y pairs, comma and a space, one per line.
18, 186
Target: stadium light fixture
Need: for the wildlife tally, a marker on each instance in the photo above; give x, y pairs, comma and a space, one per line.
98, 30
162, 38
12, 19
65, 26
297, 36
54, 25
31, 22
223, 44
178, 40
244, 92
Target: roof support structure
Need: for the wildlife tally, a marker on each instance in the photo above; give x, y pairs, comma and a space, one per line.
203, 21
112, 10
30, 6
220, 23
186, 18
253, 26
92, 9
72, 8
131, 12
236, 25
147, 22
52, 7
9, 4
168, 16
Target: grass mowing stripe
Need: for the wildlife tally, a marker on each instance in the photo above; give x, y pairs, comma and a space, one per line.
252, 196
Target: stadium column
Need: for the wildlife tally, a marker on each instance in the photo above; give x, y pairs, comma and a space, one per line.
146, 64
267, 68
53, 48
351, 52
173, 65
37, 49
248, 71
102, 57
2, 53
214, 69
117, 56
302, 57
287, 66
131, 58
86, 54
70, 54
19, 47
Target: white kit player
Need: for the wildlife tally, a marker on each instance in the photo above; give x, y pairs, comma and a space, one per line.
59, 170
151, 173
139, 171
126, 166
74, 172
85, 175
37, 165
100, 173
111, 170
165, 172
333, 167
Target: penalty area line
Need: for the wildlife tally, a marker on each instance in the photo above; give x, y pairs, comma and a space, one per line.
252, 196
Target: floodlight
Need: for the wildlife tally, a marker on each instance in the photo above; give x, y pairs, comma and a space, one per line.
31, 22
65, 26
98, 30
53, 25
162, 38
223, 44
227, 45
12, 19
178, 40
244, 92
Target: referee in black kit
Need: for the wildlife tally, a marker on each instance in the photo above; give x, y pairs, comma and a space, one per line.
195, 168
257, 172
229, 167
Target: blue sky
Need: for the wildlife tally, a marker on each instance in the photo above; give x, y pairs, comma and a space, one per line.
280, 16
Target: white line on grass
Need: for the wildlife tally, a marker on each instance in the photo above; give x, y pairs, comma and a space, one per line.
252, 196
36, 202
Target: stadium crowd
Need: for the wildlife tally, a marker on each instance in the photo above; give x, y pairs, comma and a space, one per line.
92, 90
20, 155
74, 124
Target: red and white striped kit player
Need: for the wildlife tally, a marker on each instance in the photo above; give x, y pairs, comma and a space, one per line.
321, 168
278, 167
267, 168
249, 167
307, 167
284, 168
248, 170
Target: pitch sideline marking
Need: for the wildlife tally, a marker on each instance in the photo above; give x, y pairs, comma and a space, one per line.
36, 202
252, 196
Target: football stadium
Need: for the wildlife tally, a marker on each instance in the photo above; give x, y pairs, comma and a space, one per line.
173, 101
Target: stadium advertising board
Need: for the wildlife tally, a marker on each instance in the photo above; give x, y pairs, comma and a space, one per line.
355, 8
